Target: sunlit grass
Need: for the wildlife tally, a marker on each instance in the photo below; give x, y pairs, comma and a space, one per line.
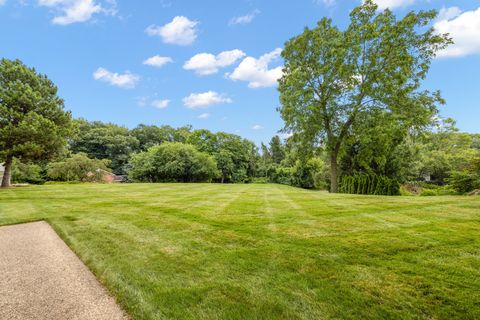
207, 251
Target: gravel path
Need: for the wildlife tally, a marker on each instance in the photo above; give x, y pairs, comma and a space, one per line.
41, 278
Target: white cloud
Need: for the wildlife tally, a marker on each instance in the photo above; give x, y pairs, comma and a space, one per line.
157, 61
160, 104
257, 127
246, 19
392, 4
181, 31
464, 28
207, 63
205, 99
256, 71
72, 11
448, 13
126, 80
326, 3
204, 116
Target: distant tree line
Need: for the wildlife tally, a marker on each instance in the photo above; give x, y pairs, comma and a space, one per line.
147, 153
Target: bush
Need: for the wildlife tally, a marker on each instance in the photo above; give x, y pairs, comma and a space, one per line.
372, 184
26, 173
307, 175
464, 181
172, 162
78, 168
429, 192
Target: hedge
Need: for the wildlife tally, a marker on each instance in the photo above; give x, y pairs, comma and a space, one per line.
372, 184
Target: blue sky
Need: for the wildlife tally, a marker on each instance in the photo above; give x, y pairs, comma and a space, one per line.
209, 63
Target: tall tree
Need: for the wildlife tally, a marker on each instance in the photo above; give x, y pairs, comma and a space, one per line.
33, 123
105, 141
277, 150
333, 78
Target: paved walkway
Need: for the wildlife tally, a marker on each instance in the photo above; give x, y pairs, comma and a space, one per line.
41, 278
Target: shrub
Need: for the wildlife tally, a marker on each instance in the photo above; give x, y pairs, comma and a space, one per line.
172, 162
308, 175
26, 173
464, 181
429, 192
78, 168
373, 184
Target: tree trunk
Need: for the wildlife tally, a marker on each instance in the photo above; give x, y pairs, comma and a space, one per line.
333, 173
7, 173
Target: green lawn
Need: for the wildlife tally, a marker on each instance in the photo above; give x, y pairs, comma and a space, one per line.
209, 251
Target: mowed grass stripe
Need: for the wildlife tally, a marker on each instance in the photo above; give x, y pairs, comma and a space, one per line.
209, 251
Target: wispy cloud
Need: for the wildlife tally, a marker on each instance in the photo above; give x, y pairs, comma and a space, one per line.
204, 116
160, 103
246, 19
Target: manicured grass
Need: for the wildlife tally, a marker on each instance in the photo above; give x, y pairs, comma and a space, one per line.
209, 251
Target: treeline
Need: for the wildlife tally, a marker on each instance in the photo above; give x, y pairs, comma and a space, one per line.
436, 161
147, 153
379, 160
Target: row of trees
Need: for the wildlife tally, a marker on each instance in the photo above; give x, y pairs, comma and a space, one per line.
440, 156
234, 157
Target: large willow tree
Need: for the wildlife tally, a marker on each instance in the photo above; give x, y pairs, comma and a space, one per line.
333, 78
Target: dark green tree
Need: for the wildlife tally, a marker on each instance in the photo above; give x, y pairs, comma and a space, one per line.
235, 156
277, 150
151, 135
33, 123
105, 141
333, 78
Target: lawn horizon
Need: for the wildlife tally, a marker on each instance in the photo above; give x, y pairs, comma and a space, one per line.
236, 251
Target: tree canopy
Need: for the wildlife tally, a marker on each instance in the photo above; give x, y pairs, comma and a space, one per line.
173, 162
332, 79
33, 123
105, 141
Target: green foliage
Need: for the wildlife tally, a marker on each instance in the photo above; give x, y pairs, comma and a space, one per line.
235, 157
27, 173
277, 150
434, 190
371, 184
307, 175
466, 180
446, 151
105, 141
33, 123
334, 79
149, 136
173, 162
78, 168
382, 146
